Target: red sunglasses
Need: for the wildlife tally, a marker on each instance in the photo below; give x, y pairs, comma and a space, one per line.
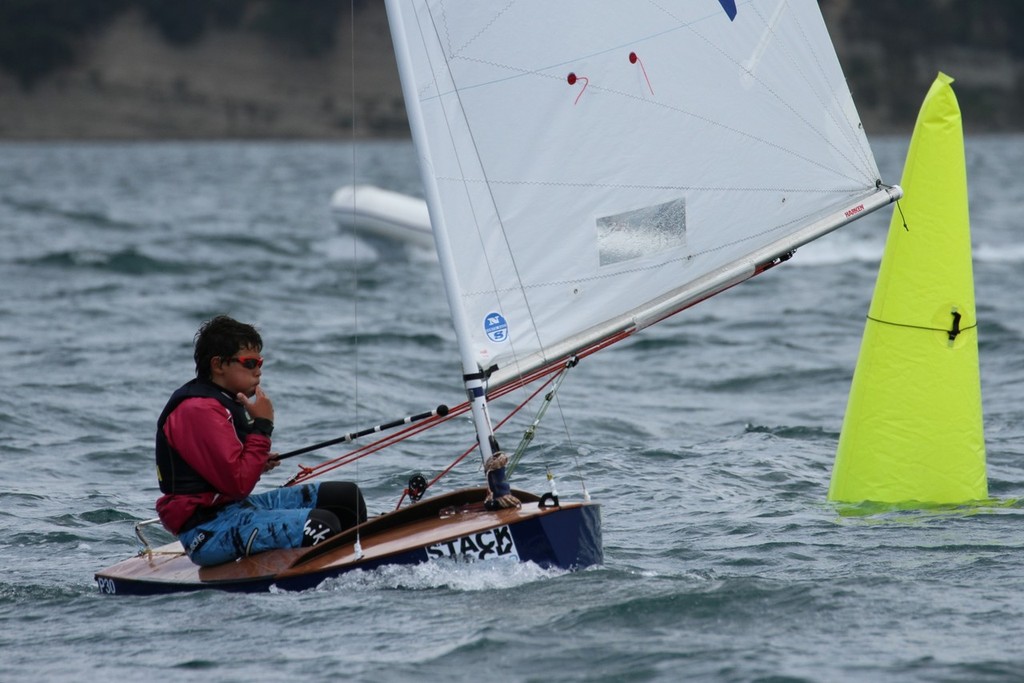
250, 363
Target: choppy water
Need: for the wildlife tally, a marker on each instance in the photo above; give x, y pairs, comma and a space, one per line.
709, 440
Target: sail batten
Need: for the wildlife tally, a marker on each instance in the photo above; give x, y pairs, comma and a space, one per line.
590, 170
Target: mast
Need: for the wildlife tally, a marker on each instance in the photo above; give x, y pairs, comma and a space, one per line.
473, 377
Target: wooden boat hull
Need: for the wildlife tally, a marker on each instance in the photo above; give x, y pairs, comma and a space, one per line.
450, 527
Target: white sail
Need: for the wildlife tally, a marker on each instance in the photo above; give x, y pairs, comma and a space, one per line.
593, 166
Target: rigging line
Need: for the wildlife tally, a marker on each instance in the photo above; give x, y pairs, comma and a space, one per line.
550, 367
441, 410
309, 472
902, 217
572, 448
380, 444
531, 431
355, 263
441, 474
494, 205
565, 423
583, 353
312, 472
472, 448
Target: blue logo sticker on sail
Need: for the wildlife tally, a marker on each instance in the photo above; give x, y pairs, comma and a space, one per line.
730, 8
496, 327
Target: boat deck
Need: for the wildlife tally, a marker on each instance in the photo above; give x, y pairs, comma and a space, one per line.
453, 525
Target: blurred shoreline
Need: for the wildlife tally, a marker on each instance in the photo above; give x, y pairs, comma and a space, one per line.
127, 82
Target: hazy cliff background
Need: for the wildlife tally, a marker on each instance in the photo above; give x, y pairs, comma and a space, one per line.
150, 69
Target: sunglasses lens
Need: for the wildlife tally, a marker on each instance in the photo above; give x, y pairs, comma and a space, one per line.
251, 363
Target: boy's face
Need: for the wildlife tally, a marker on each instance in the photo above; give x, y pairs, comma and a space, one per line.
232, 375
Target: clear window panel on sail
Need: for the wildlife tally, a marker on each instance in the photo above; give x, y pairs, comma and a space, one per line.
642, 232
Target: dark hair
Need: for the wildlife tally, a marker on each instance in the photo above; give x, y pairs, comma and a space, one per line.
222, 337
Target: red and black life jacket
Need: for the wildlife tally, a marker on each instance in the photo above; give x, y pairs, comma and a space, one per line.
172, 472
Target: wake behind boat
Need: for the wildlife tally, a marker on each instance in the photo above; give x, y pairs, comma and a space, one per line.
585, 180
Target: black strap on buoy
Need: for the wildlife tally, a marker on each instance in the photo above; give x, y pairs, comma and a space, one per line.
956, 326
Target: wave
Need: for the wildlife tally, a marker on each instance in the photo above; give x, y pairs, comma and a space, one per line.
999, 253
36, 593
91, 218
838, 249
796, 432
127, 261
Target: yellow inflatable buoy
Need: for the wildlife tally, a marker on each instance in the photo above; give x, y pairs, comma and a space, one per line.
913, 428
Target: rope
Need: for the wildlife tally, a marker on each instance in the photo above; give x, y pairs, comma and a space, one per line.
472, 448
306, 473
900, 209
531, 431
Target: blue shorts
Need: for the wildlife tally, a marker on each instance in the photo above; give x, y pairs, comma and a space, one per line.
264, 521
